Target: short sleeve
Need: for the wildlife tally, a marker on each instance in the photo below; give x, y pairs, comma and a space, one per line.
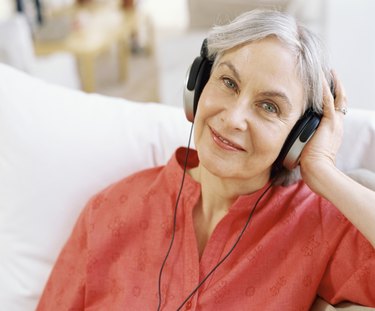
350, 274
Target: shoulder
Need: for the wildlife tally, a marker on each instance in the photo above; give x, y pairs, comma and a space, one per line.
132, 186
310, 208
135, 188
136, 182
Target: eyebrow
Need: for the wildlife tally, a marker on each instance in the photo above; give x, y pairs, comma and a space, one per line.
280, 95
232, 68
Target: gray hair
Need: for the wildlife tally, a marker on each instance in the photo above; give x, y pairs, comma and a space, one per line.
260, 23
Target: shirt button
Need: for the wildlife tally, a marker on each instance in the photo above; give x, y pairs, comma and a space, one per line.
188, 305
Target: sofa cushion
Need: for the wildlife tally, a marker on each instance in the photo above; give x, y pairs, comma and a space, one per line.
358, 145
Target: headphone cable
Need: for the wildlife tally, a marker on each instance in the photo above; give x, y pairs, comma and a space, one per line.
229, 252
174, 218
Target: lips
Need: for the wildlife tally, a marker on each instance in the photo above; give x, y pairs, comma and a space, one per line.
225, 143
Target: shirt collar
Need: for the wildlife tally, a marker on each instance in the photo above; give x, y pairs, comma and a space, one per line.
177, 165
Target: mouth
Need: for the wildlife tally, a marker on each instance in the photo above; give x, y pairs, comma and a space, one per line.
225, 143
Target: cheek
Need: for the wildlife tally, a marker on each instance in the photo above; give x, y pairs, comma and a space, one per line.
201, 134
268, 139
205, 110
212, 100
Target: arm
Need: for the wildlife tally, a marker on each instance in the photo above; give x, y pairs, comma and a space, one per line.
356, 202
318, 169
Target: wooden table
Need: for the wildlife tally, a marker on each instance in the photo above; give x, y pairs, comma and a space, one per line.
96, 29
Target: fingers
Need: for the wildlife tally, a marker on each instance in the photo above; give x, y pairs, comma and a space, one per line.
340, 100
334, 109
328, 97
336, 103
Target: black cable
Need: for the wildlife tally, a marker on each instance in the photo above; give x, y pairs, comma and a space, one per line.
174, 217
229, 252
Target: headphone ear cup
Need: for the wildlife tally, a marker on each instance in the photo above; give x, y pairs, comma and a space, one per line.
196, 79
202, 79
300, 134
189, 89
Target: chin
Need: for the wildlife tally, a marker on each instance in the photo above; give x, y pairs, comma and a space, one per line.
221, 167
231, 166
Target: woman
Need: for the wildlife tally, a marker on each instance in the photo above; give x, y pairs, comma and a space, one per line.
219, 231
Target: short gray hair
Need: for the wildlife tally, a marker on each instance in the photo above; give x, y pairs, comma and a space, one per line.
261, 23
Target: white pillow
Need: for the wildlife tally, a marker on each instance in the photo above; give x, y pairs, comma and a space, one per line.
58, 147
364, 177
358, 146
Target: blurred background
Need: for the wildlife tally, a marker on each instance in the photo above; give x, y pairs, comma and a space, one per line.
141, 49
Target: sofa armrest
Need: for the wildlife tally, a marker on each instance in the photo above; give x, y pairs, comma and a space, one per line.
352, 307
322, 305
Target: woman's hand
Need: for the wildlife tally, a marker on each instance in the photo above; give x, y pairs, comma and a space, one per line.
320, 152
319, 172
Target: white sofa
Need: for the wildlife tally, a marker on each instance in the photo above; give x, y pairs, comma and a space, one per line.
58, 147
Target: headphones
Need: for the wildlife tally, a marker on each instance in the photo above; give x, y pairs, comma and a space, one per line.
197, 77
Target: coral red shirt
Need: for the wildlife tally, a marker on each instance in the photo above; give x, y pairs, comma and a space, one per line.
297, 246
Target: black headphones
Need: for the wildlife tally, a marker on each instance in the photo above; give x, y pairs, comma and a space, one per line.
197, 77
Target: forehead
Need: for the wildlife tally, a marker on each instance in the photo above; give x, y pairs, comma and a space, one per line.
269, 53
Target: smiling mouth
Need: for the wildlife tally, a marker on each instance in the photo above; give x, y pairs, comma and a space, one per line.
225, 143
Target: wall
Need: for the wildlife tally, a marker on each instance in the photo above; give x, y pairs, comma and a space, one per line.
168, 16
350, 37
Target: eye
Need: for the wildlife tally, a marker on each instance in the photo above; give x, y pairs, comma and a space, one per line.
269, 107
229, 83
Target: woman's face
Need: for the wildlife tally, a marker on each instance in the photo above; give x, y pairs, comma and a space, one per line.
247, 109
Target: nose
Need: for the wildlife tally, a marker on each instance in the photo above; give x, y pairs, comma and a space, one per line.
237, 115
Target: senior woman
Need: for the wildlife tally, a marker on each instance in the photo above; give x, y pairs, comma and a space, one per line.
219, 228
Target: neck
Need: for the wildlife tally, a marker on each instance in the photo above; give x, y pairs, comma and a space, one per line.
218, 193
